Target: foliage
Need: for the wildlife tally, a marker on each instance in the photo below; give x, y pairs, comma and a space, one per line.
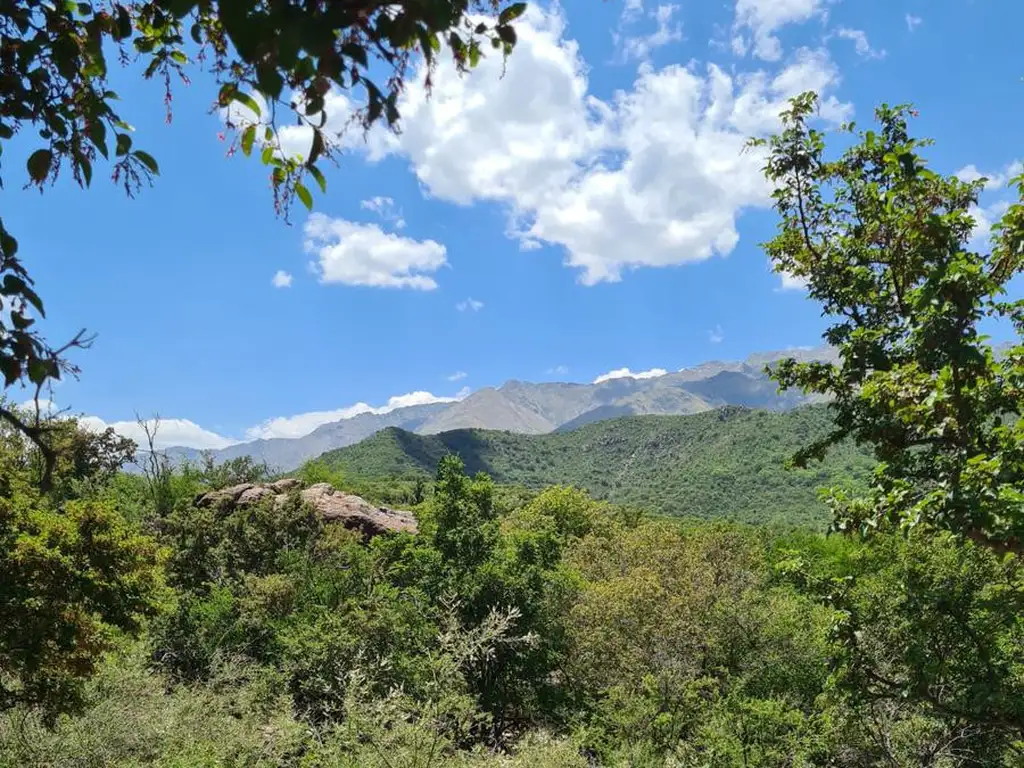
722, 464
74, 571
287, 56
885, 244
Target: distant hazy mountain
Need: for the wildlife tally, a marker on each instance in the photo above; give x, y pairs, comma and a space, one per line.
526, 408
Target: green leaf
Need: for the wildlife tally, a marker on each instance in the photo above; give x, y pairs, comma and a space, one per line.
124, 23
474, 54
39, 163
98, 136
147, 160
6, 132
508, 34
247, 100
197, 34
318, 147
86, 167
124, 144
511, 13
304, 196
248, 137
267, 155
319, 177
355, 52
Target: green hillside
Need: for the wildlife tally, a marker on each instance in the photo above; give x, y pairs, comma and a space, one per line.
726, 463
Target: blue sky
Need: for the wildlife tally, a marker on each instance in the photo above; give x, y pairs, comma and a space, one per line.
587, 212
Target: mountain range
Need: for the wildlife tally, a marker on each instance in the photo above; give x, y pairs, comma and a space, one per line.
724, 464
529, 408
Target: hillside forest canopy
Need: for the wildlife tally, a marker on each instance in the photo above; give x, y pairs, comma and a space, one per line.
153, 619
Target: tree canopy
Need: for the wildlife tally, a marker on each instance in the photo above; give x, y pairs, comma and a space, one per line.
888, 247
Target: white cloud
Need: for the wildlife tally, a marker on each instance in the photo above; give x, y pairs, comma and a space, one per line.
985, 217
386, 209
763, 18
792, 282
363, 254
625, 373
996, 179
558, 370
169, 433
470, 305
860, 43
281, 279
655, 176
913, 22
457, 376
715, 335
302, 424
640, 46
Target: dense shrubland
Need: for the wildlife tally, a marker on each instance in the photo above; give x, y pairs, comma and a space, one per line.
555, 631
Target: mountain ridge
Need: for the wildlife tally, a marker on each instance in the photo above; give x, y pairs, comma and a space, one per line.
546, 407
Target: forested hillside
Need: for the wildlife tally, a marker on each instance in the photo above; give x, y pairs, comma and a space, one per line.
729, 463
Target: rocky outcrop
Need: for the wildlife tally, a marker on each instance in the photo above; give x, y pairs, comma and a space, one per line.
334, 506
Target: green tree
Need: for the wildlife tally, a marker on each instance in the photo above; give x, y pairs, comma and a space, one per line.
885, 245
289, 56
73, 573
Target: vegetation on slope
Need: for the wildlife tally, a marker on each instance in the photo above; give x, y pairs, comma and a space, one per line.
729, 463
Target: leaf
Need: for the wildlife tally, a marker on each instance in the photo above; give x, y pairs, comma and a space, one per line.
304, 196
6, 132
98, 136
86, 166
355, 52
124, 23
508, 34
39, 163
318, 147
124, 144
511, 13
247, 100
147, 160
197, 34
319, 177
267, 154
248, 137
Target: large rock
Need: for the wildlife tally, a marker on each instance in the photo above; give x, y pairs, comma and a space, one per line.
334, 506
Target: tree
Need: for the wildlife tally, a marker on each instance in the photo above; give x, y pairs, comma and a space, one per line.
73, 571
886, 246
289, 55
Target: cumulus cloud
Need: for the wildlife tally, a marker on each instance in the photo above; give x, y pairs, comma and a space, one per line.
985, 217
715, 335
860, 43
169, 432
363, 254
469, 305
386, 209
913, 22
281, 279
994, 180
302, 424
625, 373
757, 21
457, 376
654, 176
792, 282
